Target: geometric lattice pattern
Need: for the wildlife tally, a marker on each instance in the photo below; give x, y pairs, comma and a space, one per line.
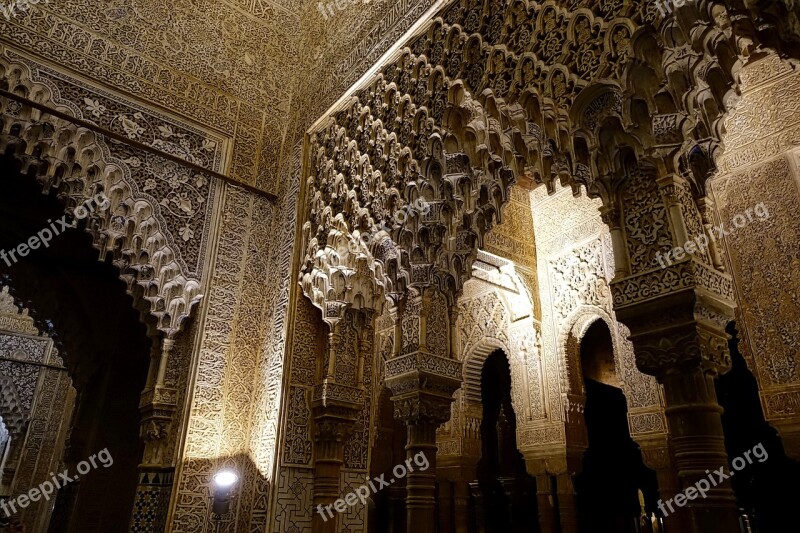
152, 501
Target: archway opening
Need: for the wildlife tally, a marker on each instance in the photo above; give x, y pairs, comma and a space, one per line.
507, 494
614, 489
81, 303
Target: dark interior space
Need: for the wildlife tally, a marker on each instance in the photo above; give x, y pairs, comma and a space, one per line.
613, 471
506, 499
766, 491
82, 304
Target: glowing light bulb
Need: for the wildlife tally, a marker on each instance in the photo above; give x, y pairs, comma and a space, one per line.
225, 479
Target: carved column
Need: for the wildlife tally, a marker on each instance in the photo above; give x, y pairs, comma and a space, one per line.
555, 472
156, 472
611, 217
337, 402
679, 338
677, 305
422, 384
333, 423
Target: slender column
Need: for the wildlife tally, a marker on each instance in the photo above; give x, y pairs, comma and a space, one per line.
707, 214
423, 413
422, 384
461, 506
156, 471
695, 423
567, 504
612, 218
337, 402
677, 315
445, 498
668, 185
479, 498
332, 428
396, 497
657, 456
668, 487
546, 500
421, 485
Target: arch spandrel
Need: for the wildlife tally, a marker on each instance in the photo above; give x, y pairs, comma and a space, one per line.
154, 233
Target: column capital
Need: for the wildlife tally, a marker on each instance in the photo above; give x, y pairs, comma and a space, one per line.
677, 317
157, 407
423, 385
611, 216
422, 407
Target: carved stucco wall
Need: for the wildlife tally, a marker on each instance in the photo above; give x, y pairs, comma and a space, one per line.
513, 240
32, 371
576, 264
223, 64
761, 164
228, 360
236, 402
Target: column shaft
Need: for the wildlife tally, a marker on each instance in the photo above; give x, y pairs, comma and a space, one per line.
546, 498
567, 504
421, 485
695, 423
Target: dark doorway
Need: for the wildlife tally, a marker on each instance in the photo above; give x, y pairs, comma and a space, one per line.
506, 495
613, 476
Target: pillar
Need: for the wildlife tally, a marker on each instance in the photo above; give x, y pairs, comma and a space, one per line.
546, 503
333, 425
461, 506
156, 472
337, 401
658, 457
423, 376
680, 339
677, 306
567, 503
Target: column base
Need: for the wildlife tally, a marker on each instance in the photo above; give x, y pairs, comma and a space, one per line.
153, 493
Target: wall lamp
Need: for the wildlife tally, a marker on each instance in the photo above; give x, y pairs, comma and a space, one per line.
224, 481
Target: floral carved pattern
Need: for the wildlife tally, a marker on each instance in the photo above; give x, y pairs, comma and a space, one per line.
157, 245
